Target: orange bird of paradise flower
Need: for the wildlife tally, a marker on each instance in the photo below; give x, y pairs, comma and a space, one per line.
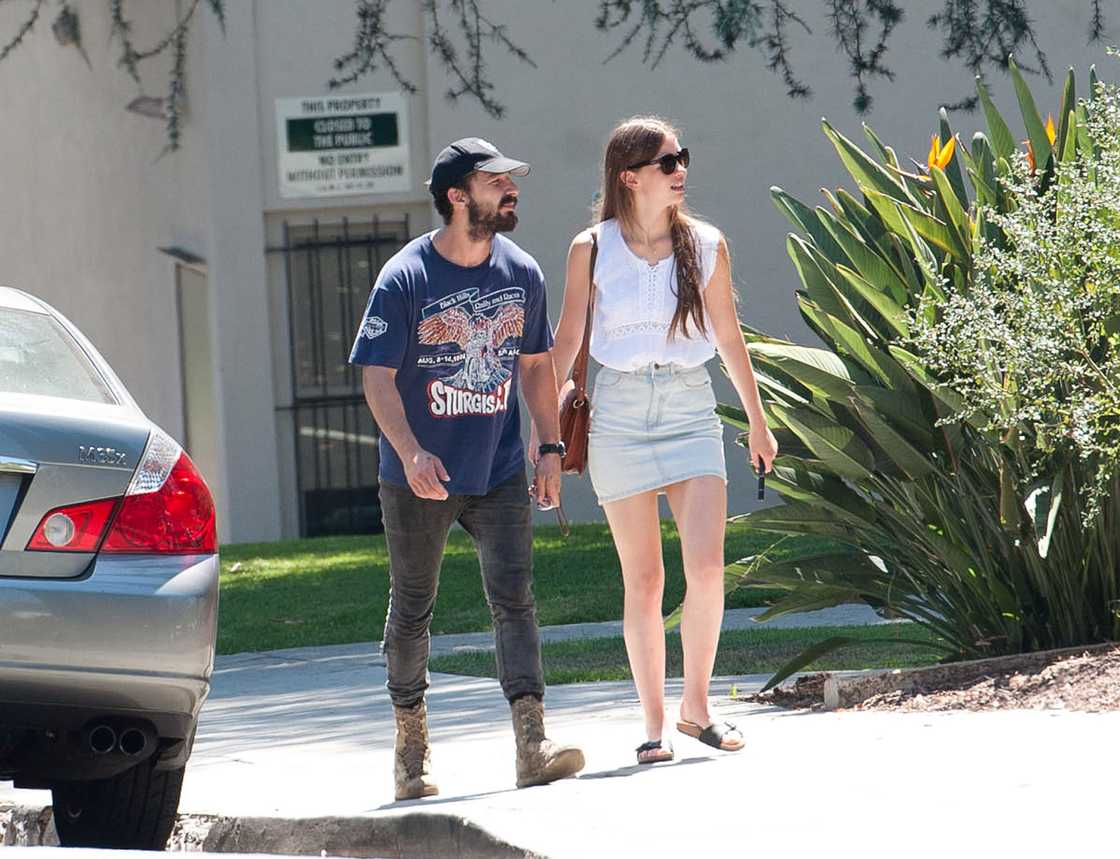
940, 156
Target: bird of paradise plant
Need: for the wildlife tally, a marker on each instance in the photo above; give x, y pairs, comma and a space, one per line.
1051, 135
936, 516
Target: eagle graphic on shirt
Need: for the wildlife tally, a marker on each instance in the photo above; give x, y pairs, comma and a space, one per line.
481, 384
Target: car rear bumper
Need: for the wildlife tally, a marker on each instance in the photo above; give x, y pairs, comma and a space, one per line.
130, 642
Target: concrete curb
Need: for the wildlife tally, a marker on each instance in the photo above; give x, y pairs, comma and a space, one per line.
21, 826
413, 835
847, 691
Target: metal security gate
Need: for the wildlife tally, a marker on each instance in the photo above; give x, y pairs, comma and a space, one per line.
330, 269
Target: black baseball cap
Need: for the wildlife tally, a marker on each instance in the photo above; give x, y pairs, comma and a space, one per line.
467, 155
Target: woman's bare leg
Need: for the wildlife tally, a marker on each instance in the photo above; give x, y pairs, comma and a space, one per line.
699, 507
636, 529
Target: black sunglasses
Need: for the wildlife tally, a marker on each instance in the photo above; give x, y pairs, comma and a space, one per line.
667, 162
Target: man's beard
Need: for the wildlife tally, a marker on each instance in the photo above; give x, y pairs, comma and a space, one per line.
482, 225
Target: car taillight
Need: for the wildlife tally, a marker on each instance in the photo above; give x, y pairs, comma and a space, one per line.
167, 508
77, 528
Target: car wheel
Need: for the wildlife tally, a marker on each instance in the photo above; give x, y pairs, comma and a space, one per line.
134, 810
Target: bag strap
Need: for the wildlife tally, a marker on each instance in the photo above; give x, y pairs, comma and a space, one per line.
579, 369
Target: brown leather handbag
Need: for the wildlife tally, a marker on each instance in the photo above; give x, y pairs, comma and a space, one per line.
575, 408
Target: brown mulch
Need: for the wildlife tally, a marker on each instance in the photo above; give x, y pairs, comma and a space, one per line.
1087, 682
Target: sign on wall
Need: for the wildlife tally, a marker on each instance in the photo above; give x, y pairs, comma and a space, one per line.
345, 144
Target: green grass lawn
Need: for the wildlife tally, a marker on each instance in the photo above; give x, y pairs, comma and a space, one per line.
334, 590
747, 651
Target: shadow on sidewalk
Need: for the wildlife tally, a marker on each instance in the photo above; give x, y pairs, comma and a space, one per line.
634, 769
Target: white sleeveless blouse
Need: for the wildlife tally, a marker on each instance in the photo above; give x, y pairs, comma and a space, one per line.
635, 303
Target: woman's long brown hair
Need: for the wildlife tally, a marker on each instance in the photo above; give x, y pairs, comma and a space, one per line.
639, 139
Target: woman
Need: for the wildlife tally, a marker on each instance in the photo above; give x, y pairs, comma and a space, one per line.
663, 307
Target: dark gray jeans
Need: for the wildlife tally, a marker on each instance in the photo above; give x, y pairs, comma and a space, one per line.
416, 529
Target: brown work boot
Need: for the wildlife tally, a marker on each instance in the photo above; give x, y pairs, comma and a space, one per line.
413, 757
539, 760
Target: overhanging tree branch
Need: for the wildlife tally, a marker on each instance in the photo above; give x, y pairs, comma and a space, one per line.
981, 33
850, 22
25, 28
372, 41
469, 23
988, 33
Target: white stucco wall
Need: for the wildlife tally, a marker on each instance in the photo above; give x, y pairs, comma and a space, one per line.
87, 199
745, 135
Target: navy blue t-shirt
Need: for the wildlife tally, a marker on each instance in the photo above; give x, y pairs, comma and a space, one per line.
453, 335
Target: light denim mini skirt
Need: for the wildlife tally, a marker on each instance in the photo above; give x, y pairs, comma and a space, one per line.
651, 428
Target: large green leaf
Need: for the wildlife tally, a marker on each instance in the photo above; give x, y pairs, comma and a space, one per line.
869, 355
982, 171
781, 390
817, 369
868, 224
958, 217
796, 480
885, 154
946, 395
816, 284
806, 657
867, 260
810, 599
788, 443
1084, 138
1003, 142
805, 218
891, 312
903, 409
1043, 503
838, 447
853, 309
913, 182
1066, 116
814, 317
732, 416
798, 517
897, 215
893, 444
851, 570
868, 174
1036, 131
1069, 138
905, 261
953, 168
924, 257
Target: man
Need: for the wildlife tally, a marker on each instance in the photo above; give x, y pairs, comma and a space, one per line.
455, 320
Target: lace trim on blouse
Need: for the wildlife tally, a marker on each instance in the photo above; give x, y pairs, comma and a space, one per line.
646, 327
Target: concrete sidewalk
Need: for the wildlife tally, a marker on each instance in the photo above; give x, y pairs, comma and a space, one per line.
308, 733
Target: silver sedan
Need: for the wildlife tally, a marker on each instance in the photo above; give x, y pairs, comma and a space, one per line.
108, 588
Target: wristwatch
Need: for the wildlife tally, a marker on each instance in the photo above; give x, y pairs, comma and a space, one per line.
557, 448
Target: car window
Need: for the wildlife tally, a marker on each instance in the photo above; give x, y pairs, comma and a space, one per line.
38, 356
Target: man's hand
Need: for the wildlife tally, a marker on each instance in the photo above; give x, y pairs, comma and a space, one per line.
426, 475
546, 483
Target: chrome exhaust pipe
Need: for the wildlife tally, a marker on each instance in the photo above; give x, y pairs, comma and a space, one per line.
133, 742
101, 739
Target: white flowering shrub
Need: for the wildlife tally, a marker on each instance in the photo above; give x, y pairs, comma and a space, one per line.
1032, 342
